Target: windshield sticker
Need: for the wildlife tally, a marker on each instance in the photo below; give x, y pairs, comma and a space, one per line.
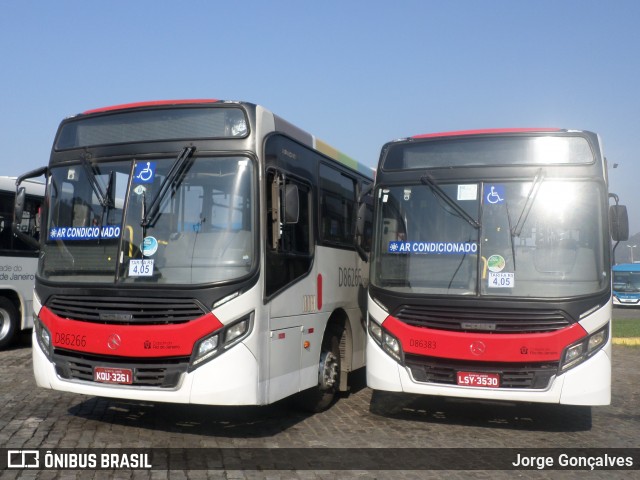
144, 172
494, 194
407, 194
141, 268
84, 233
501, 280
496, 263
467, 192
149, 246
139, 190
459, 248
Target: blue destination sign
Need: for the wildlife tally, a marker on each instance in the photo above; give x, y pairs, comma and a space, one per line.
460, 248
85, 233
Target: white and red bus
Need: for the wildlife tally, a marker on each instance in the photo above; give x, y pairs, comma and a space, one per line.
198, 251
490, 271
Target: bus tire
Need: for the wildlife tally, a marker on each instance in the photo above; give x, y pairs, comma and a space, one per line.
8, 322
320, 397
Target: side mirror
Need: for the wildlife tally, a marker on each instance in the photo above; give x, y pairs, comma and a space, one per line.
18, 209
18, 206
364, 221
619, 223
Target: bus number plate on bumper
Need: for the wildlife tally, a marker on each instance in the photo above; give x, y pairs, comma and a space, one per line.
471, 379
122, 376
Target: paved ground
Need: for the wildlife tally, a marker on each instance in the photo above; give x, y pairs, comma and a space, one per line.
37, 418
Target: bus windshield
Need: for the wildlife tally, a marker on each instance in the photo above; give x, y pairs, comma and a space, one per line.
525, 239
101, 229
626, 281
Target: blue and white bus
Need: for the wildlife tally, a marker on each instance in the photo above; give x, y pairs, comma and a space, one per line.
626, 284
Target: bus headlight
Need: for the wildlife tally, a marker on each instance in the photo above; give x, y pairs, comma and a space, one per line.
390, 344
43, 337
376, 331
207, 347
216, 343
236, 331
579, 352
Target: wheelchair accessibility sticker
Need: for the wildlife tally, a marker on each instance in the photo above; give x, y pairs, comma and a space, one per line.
144, 172
494, 194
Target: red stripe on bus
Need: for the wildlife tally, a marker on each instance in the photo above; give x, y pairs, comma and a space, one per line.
319, 288
154, 103
128, 340
487, 131
484, 347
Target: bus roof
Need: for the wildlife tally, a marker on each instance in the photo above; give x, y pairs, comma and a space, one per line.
627, 267
153, 103
488, 131
8, 184
316, 143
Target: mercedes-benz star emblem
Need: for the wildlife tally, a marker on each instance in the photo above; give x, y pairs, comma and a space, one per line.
477, 348
114, 341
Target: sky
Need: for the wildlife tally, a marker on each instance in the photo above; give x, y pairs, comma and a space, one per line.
354, 73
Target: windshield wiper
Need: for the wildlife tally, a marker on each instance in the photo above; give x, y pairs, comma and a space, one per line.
91, 171
430, 182
537, 181
178, 170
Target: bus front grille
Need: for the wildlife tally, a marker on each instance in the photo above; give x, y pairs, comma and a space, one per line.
126, 311
146, 373
512, 375
484, 320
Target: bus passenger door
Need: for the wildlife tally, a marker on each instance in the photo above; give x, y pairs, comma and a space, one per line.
288, 260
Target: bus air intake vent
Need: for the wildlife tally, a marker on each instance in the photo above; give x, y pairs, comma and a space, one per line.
482, 320
146, 373
126, 311
534, 376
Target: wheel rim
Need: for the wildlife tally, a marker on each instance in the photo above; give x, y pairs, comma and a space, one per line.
5, 323
328, 371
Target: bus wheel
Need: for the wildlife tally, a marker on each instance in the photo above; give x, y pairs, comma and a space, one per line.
320, 397
8, 322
